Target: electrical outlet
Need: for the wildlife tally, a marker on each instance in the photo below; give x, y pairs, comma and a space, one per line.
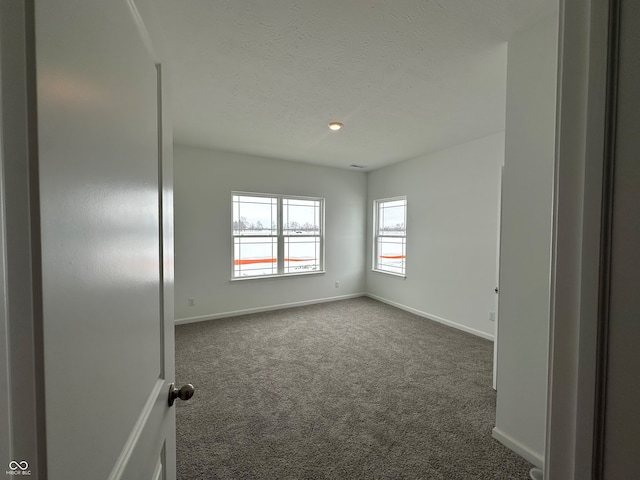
191, 302
337, 284
492, 316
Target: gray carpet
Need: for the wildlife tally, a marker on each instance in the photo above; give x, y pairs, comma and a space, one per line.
353, 389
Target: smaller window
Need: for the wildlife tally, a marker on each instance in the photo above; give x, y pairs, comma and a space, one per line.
390, 235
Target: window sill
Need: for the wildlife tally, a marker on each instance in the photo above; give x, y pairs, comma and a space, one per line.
283, 275
393, 274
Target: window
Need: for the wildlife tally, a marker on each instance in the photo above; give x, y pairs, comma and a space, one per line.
276, 235
390, 235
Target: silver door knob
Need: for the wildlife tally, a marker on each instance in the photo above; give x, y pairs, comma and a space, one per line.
184, 393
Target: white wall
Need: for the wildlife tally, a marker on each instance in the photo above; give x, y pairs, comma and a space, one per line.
452, 232
204, 180
523, 330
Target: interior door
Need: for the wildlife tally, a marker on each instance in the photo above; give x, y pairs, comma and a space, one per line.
106, 233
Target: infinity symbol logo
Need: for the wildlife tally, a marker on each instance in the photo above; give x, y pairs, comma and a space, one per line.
13, 465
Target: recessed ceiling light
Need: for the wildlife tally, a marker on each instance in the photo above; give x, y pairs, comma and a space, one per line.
335, 126
355, 165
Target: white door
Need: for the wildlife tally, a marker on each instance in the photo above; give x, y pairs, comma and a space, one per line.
106, 232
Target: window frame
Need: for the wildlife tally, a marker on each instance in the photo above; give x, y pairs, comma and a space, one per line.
375, 264
280, 236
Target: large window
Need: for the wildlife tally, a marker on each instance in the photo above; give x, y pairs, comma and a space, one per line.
276, 235
390, 235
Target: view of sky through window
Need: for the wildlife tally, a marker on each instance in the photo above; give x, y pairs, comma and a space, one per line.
255, 215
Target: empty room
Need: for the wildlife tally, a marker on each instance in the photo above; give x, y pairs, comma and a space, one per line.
363, 213
355, 239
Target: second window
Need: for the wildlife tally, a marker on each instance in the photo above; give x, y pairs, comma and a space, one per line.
390, 235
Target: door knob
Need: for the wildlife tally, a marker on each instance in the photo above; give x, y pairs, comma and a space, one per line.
184, 393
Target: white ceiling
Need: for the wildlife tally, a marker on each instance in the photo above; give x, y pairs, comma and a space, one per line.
406, 77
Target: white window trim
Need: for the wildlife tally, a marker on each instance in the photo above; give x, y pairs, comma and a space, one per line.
280, 237
374, 249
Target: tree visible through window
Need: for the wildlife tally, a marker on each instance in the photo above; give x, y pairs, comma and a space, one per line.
390, 235
276, 235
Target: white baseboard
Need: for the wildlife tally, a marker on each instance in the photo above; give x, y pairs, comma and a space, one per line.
268, 308
512, 444
247, 311
435, 318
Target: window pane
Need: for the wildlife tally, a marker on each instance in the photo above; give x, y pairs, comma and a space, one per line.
391, 217
300, 217
255, 215
391, 254
255, 256
301, 254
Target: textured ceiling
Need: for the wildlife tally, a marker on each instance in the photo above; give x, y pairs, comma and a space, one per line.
406, 77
